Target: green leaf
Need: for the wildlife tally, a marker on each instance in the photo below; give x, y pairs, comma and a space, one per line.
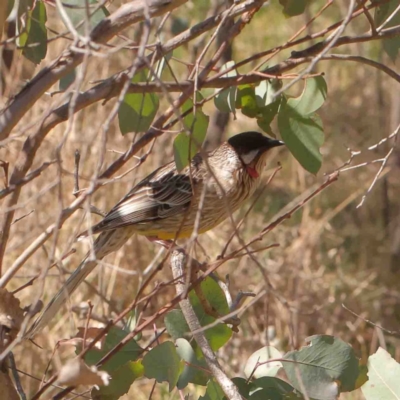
120, 383
265, 92
163, 364
195, 370
218, 335
67, 80
246, 101
392, 45
213, 392
176, 324
138, 110
186, 146
130, 352
160, 66
292, 8
253, 367
76, 11
179, 25
312, 98
243, 386
324, 366
266, 388
272, 389
302, 136
225, 100
266, 116
383, 374
34, 38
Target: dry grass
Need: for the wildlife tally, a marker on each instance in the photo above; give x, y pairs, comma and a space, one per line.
330, 252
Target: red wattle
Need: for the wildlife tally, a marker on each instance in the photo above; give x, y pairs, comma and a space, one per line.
252, 172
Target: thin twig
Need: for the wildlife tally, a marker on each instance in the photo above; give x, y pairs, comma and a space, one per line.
32, 175
17, 381
393, 333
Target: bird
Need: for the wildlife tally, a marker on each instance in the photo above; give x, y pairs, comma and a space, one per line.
166, 204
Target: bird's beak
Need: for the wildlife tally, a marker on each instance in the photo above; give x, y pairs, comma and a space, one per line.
276, 143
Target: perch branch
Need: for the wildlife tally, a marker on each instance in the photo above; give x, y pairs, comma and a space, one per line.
178, 263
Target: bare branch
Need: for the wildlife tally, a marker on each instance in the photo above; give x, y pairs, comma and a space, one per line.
34, 174
128, 14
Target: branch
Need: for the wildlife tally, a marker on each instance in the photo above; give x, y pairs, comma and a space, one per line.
110, 87
178, 265
126, 15
10, 188
32, 144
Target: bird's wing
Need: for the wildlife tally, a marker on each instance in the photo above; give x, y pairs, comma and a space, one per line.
162, 194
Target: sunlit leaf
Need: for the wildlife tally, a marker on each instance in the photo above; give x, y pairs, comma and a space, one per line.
34, 38
303, 136
312, 98
383, 377
258, 364
187, 145
130, 352
120, 383
265, 92
246, 101
163, 364
138, 110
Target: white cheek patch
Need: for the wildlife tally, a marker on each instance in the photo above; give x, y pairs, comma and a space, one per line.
249, 157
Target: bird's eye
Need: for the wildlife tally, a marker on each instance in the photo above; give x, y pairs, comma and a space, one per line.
249, 157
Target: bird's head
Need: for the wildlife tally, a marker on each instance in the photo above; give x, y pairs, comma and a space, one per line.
252, 147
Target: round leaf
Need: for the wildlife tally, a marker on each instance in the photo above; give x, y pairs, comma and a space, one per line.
271, 388
253, 367
120, 383
383, 377
217, 335
246, 101
163, 364
195, 370
312, 98
324, 363
130, 352
138, 110
213, 392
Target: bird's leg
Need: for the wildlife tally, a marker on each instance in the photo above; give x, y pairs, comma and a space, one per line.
164, 243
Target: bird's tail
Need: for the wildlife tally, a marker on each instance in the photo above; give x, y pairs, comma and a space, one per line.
106, 243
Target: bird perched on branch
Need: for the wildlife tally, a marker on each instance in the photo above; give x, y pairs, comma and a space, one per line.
167, 203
